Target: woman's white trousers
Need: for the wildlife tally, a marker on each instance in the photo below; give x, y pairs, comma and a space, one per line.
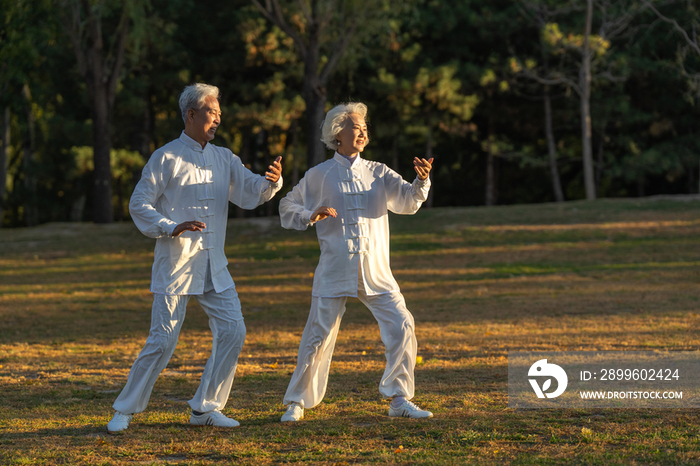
396, 326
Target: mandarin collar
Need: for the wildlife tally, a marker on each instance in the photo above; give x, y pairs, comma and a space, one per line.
344, 161
191, 143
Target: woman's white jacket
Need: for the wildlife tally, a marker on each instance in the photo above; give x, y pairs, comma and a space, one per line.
357, 240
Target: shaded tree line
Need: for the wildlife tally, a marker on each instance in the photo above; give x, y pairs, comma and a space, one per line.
518, 101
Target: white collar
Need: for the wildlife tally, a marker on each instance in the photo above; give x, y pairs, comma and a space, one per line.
344, 160
191, 143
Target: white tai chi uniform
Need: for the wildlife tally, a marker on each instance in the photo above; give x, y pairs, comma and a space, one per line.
354, 263
183, 182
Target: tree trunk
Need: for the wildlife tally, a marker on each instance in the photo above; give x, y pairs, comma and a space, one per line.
4, 157
395, 154
585, 85
490, 194
551, 147
691, 181
599, 162
119, 213
315, 97
295, 172
245, 156
100, 67
315, 76
31, 214
290, 148
144, 132
314, 94
428, 156
101, 142
143, 137
267, 161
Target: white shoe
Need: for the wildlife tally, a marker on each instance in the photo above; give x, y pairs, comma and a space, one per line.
213, 418
119, 422
408, 409
294, 413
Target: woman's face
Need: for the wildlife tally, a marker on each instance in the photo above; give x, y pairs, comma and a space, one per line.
353, 138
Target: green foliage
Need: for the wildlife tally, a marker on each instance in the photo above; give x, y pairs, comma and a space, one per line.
123, 162
442, 77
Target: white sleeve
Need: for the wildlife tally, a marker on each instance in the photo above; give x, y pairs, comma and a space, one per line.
247, 189
150, 187
293, 212
404, 197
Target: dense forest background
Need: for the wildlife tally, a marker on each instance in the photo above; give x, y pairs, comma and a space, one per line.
519, 101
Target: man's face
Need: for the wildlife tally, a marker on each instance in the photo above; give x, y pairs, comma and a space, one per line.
204, 122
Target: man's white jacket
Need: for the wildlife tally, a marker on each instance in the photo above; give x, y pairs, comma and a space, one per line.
183, 182
362, 193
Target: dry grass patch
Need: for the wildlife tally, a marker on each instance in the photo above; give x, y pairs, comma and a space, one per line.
608, 275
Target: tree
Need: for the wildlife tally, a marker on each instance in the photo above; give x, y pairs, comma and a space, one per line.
271, 105
539, 14
122, 162
31, 213
426, 103
24, 36
100, 58
322, 31
615, 17
4, 155
671, 148
690, 39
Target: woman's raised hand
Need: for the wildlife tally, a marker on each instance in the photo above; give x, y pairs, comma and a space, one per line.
423, 167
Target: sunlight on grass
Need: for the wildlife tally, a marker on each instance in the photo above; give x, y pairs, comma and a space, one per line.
591, 226
611, 275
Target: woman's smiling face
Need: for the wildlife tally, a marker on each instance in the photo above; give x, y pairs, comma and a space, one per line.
353, 138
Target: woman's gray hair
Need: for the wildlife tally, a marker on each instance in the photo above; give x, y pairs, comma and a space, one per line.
335, 118
194, 95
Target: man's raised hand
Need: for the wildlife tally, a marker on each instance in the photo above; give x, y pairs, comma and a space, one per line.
323, 212
423, 167
275, 170
194, 225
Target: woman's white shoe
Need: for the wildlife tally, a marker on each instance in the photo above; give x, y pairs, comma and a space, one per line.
294, 413
119, 422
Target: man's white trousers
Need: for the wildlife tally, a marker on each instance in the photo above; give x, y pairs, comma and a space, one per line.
397, 329
167, 316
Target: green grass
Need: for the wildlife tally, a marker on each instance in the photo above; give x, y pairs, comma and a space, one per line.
604, 275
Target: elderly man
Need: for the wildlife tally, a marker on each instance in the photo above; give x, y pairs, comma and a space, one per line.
182, 201
348, 198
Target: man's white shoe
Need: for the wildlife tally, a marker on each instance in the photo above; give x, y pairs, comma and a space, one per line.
213, 418
119, 422
408, 409
294, 413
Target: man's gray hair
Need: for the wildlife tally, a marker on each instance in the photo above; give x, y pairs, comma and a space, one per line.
335, 118
194, 95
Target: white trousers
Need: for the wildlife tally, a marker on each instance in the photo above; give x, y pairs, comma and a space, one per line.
167, 316
397, 330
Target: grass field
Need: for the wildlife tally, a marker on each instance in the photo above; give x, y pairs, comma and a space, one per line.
604, 275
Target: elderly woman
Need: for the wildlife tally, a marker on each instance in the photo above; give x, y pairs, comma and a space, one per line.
348, 198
